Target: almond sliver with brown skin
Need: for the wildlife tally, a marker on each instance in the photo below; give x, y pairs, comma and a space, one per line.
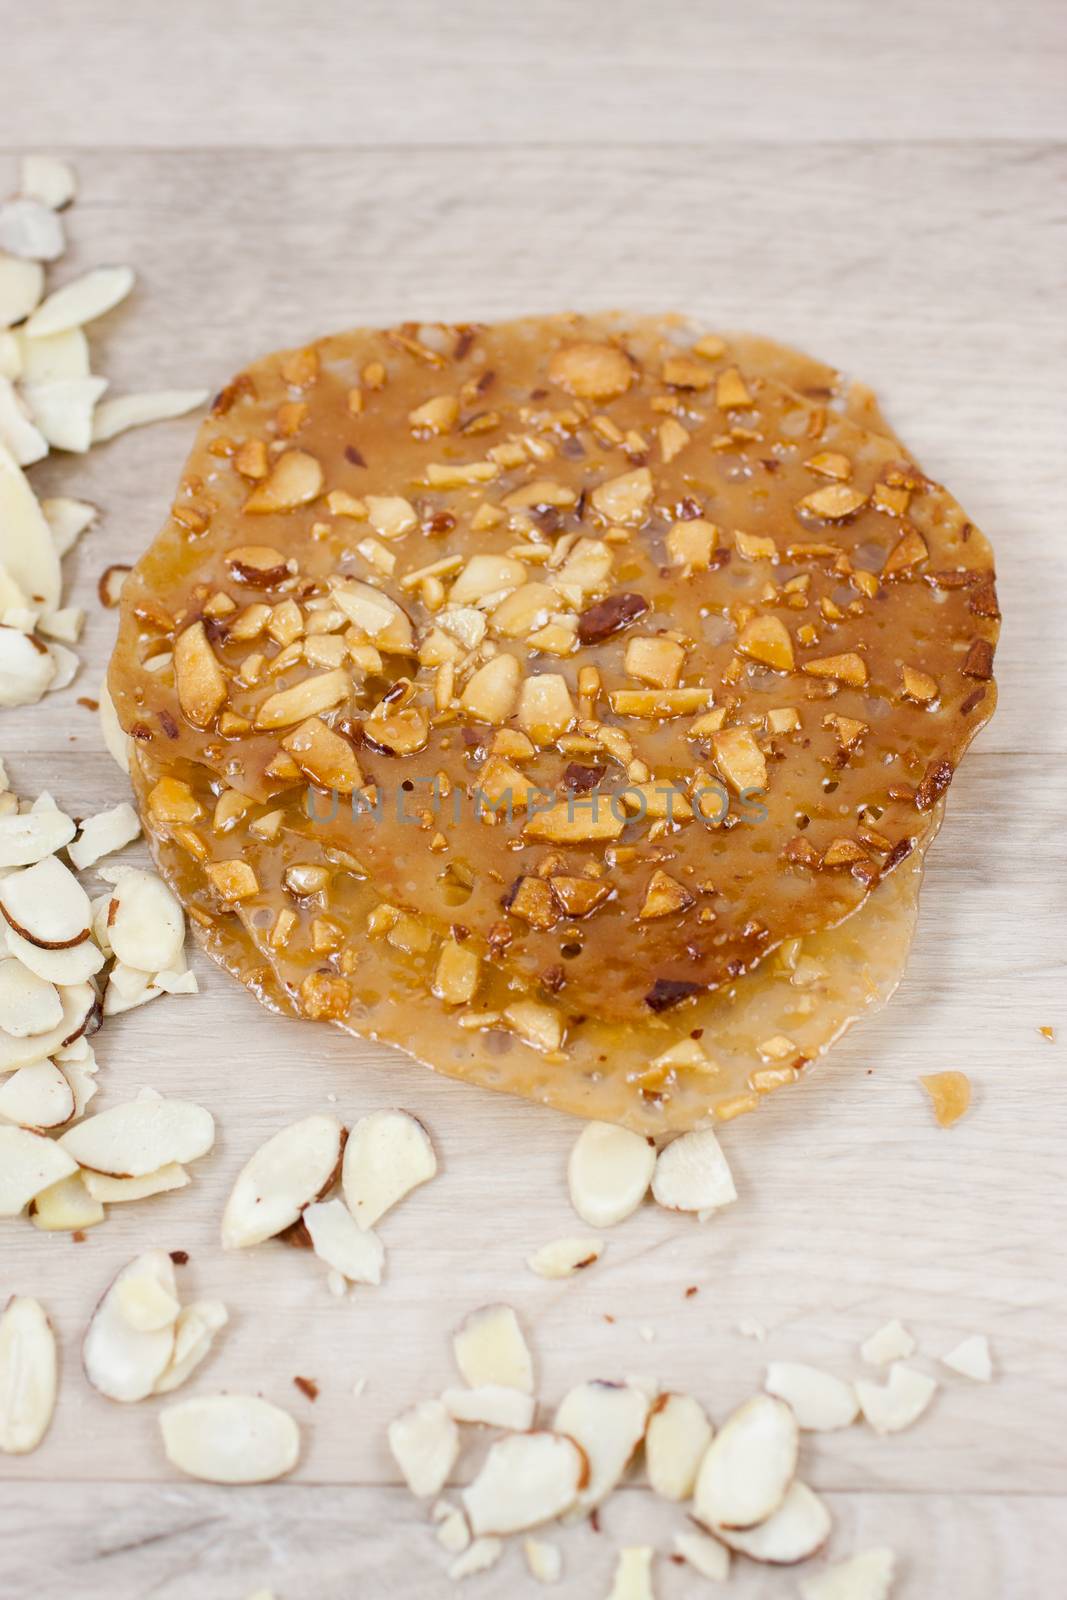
37, 1096
525, 1480
29, 1162
28, 1004
799, 1528
118, 1191
79, 1001
388, 1154
27, 668
231, 1438
101, 835
284, 1176
146, 925
27, 836
27, 1375
62, 967
140, 1137
563, 1258
46, 904
121, 1361
676, 1441
608, 1421
748, 1467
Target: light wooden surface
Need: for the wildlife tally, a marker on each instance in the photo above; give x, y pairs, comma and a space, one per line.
884, 188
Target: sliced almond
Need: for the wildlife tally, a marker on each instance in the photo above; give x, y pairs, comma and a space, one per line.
230, 1438
132, 1140
27, 836
749, 1465
116, 741
31, 230
121, 1360
525, 1480
79, 1004
47, 179
494, 1404
357, 1253
101, 835
135, 410
28, 1004
63, 967
676, 1441
424, 1442
117, 1191
21, 287
692, 1174
63, 410
479, 1556
490, 1349
799, 1527
285, 1175
66, 1207
891, 1407
27, 550
82, 301
67, 520
37, 1096
146, 1303
891, 1342
145, 922
971, 1357
29, 1162
27, 1375
375, 614
867, 1576
633, 1574
608, 1421
544, 1560
388, 1154
200, 680
704, 1554
27, 668
565, 1257
294, 480
608, 1173
18, 432
819, 1401
194, 1333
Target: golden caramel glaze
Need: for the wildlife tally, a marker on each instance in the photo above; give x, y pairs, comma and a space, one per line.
418, 565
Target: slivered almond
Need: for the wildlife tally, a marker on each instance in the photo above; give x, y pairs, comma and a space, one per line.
704, 1554
28, 1004
424, 1442
891, 1407
46, 904
608, 1173
739, 759
324, 755
289, 1172
132, 1140
766, 639
145, 923
971, 1358
37, 1097
103, 834
200, 681
122, 1360
490, 1349
81, 301
891, 1342
194, 1333
591, 371
27, 837
818, 1400
29, 1163
495, 1405
27, 1375
303, 700
526, 1480
909, 550
676, 1441
608, 1421
625, 499
867, 1576
799, 1527
692, 1174
633, 1574
749, 1466
565, 1257
118, 1191
230, 1438
388, 1154
66, 1207
357, 1253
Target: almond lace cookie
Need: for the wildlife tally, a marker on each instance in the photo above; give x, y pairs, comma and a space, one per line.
570, 701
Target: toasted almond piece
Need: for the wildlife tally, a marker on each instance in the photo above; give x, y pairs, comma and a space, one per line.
608, 1173
194, 1333
28, 836
79, 1002
497, 1405
490, 693
294, 480
891, 1342
27, 668
739, 759
27, 1375
145, 1303
66, 1207
591, 371
67, 520
29, 1162
565, 1257
704, 1554
284, 1176
848, 668
971, 1357
867, 1576
767, 639
608, 1421
47, 179
146, 925
201, 682
625, 499
633, 1574
30, 230
375, 614
123, 1361
525, 1480
81, 301
490, 1349
28, 1004
544, 1560
424, 1442
135, 410
101, 835
749, 1465
692, 1174
575, 821
818, 1400
230, 1438
37, 1097
21, 287
799, 1527
891, 1407
304, 700
140, 1137
676, 1441
833, 502
357, 1253
388, 1154
479, 1556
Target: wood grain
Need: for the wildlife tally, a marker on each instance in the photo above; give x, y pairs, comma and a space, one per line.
932, 270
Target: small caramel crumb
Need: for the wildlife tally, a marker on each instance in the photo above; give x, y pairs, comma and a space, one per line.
1048, 1033
950, 1095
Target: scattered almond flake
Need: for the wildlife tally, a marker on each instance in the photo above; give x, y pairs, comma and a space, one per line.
337, 1284
950, 1095
490, 1349
608, 1173
749, 1465
140, 1137
80, 301
495, 1404
691, 1174
544, 1560
799, 1527
971, 1358
867, 1576
424, 1442
478, 1557
892, 1342
67, 519
122, 1361
29, 1162
66, 1207
704, 1554
27, 1375
633, 1574
27, 550
135, 410
336, 1238
79, 1003
194, 1334
565, 1257
453, 1533
28, 1004
388, 1154
230, 1438
66, 667
63, 410
145, 1303
30, 230
65, 625
891, 1407
819, 1401
47, 179
115, 740
37, 1096
289, 1172
21, 287
26, 668
101, 835
608, 1421
526, 1479
19, 435
146, 924
676, 1442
